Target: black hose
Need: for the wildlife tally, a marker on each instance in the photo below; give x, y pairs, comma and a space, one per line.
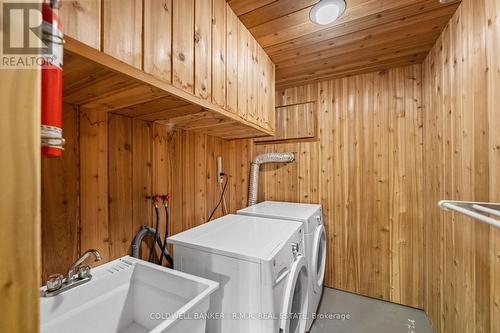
157, 211
163, 248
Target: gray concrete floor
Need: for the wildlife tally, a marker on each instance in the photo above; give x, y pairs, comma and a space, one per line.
343, 312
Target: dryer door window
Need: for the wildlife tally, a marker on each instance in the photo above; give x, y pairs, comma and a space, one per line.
318, 258
295, 299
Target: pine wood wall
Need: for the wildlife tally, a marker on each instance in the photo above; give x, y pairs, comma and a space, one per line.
94, 196
365, 169
462, 162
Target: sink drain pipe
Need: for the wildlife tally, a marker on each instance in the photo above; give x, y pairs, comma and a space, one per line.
253, 186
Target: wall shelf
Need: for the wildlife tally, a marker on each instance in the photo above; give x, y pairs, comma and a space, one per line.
94, 80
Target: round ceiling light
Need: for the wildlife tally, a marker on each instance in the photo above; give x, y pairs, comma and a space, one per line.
327, 11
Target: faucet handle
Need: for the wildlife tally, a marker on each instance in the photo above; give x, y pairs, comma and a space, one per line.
84, 272
54, 282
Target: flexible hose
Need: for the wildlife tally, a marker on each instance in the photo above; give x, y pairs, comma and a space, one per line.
163, 247
253, 186
157, 211
143, 232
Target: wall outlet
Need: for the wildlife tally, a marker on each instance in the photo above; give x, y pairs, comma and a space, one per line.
219, 170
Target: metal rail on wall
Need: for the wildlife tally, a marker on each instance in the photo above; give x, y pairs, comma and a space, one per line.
482, 211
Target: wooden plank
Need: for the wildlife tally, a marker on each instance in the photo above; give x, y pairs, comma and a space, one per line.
122, 30
219, 53
231, 61
242, 70
203, 49
60, 201
183, 44
158, 38
142, 165
82, 20
20, 200
121, 229
94, 225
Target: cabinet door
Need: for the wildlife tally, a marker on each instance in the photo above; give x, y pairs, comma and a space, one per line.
81, 20
158, 38
123, 30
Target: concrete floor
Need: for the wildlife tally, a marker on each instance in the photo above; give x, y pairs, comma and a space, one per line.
349, 313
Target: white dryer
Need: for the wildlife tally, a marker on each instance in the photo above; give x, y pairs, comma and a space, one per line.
260, 267
314, 240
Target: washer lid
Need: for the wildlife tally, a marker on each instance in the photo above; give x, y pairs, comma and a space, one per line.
238, 236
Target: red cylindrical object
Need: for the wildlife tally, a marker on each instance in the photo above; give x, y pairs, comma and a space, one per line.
52, 80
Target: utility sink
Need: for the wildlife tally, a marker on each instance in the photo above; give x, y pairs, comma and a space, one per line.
129, 295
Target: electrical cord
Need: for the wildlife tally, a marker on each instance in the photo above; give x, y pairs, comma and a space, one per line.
221, 197
157, 211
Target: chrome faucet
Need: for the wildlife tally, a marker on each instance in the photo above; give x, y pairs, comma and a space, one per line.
77, 274
74, 267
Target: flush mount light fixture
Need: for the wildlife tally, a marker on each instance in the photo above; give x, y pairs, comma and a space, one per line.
327, 11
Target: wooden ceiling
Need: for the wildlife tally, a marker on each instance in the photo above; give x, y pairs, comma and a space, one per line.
372, 35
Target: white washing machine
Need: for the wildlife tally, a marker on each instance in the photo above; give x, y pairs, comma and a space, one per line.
314, 240
260, 267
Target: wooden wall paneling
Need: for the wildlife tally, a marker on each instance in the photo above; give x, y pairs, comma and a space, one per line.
214, 148
366, 171
237, 156
60, 201
243, 70
142, 173
162, 177
203, 49
158, 38
493, 85
82, 20
231, 60
20, 199
202, 164
94, 218
183, 44
219, 53
462, 263
122, 30
176, 174
121, 228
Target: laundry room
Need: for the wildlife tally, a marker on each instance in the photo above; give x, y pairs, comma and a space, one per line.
237, 166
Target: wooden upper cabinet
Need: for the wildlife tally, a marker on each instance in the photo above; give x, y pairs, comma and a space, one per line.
82, 20
198, 46
122, 30
158, 38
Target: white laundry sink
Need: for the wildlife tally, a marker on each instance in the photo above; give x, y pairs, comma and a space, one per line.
131, 296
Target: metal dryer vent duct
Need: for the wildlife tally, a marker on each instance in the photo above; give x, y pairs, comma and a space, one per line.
253, 186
